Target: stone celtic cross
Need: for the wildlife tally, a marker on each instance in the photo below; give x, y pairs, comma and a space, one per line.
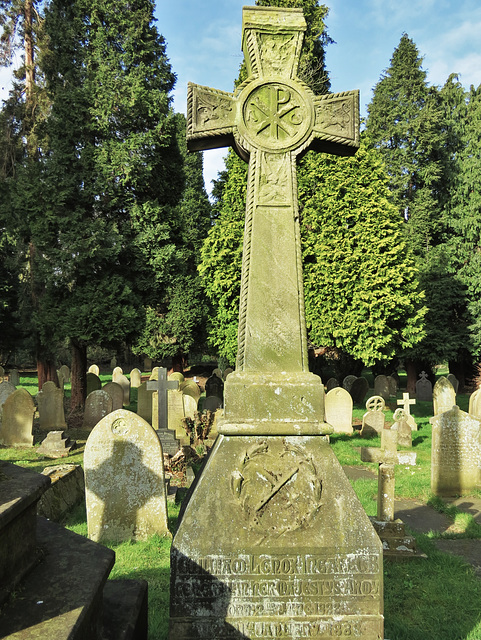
162, 386
270, 120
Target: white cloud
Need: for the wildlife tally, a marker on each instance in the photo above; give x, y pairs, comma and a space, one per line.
213, 163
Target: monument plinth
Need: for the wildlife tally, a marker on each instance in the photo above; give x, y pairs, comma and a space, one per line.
274, 542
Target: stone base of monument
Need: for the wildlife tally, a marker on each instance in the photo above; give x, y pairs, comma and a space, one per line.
59, 578
56, 445
169, 442
274, 543
396, 543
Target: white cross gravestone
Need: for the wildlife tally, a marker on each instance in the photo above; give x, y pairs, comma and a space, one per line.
282, 508
405, 404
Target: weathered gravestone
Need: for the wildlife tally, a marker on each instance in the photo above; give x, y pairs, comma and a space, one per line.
14, 377
65, 372
424, 388
2, 373
359, 389
475, 403
294, 554
124, 382
6, 389
454, 381
373, 420
332, 383
396, 544
94, 369
161, 409
214, 386
338, 408
116, 392
393, 385
116, 372
56, 445
190, 388
190, 406
226, 372
444, 396
16, 426
348, 382
124, 480
93, 382
381, 387
135, 378
406, 403
144, 402
455, 453
50, 407
97, 405
61, 380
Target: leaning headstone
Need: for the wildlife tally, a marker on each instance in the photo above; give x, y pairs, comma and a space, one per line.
381, 387
6, 389
402, 428
406, 403
190, 406
454, 381
338, 408
14, 377
348, 382
424, 388
93, 382
455, 453
332, 383
124, 382
475, 403
190, 388
135, 378
97, 405
359, 389
17, 420
116, 373
144, 402
124, 480
373, 420
116, 392
396, 544
444, 396
65, 371
50, 407
94, 369
56, 445
285, 517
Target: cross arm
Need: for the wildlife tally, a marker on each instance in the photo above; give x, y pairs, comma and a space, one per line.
210, 118
381, 456
336, 127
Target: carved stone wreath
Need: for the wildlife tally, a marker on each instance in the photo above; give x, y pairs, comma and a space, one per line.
278, 487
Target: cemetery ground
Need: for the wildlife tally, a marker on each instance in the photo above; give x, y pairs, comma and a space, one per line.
436, 598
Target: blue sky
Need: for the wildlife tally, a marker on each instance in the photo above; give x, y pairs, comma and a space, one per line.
204, 39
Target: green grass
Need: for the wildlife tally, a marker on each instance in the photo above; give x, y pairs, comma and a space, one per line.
438, 598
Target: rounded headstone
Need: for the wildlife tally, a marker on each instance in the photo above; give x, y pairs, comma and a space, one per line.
115, 391
97, 405
347, 382
94, 369
332, 383
359, 389
135, 378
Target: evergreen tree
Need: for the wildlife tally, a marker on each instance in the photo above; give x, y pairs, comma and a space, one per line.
386, 304
113, 174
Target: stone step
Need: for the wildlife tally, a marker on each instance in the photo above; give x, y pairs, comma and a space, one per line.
20, 490
61, 597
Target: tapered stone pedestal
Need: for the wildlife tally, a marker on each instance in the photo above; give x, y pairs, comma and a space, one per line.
275, 544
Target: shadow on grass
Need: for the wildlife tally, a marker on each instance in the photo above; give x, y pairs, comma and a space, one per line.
419, 440
433, 599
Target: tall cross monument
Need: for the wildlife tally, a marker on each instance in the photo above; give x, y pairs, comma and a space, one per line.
273, 542
271, 119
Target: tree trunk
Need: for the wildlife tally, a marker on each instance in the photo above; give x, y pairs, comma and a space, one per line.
29, 77
411, 377
78, 375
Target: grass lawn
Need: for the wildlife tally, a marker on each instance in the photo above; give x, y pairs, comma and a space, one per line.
434, 599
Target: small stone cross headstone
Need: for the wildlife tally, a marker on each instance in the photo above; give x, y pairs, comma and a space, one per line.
124, 480
405, 404
402, 428
161, 387
373, 420
424, 388
387, 458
